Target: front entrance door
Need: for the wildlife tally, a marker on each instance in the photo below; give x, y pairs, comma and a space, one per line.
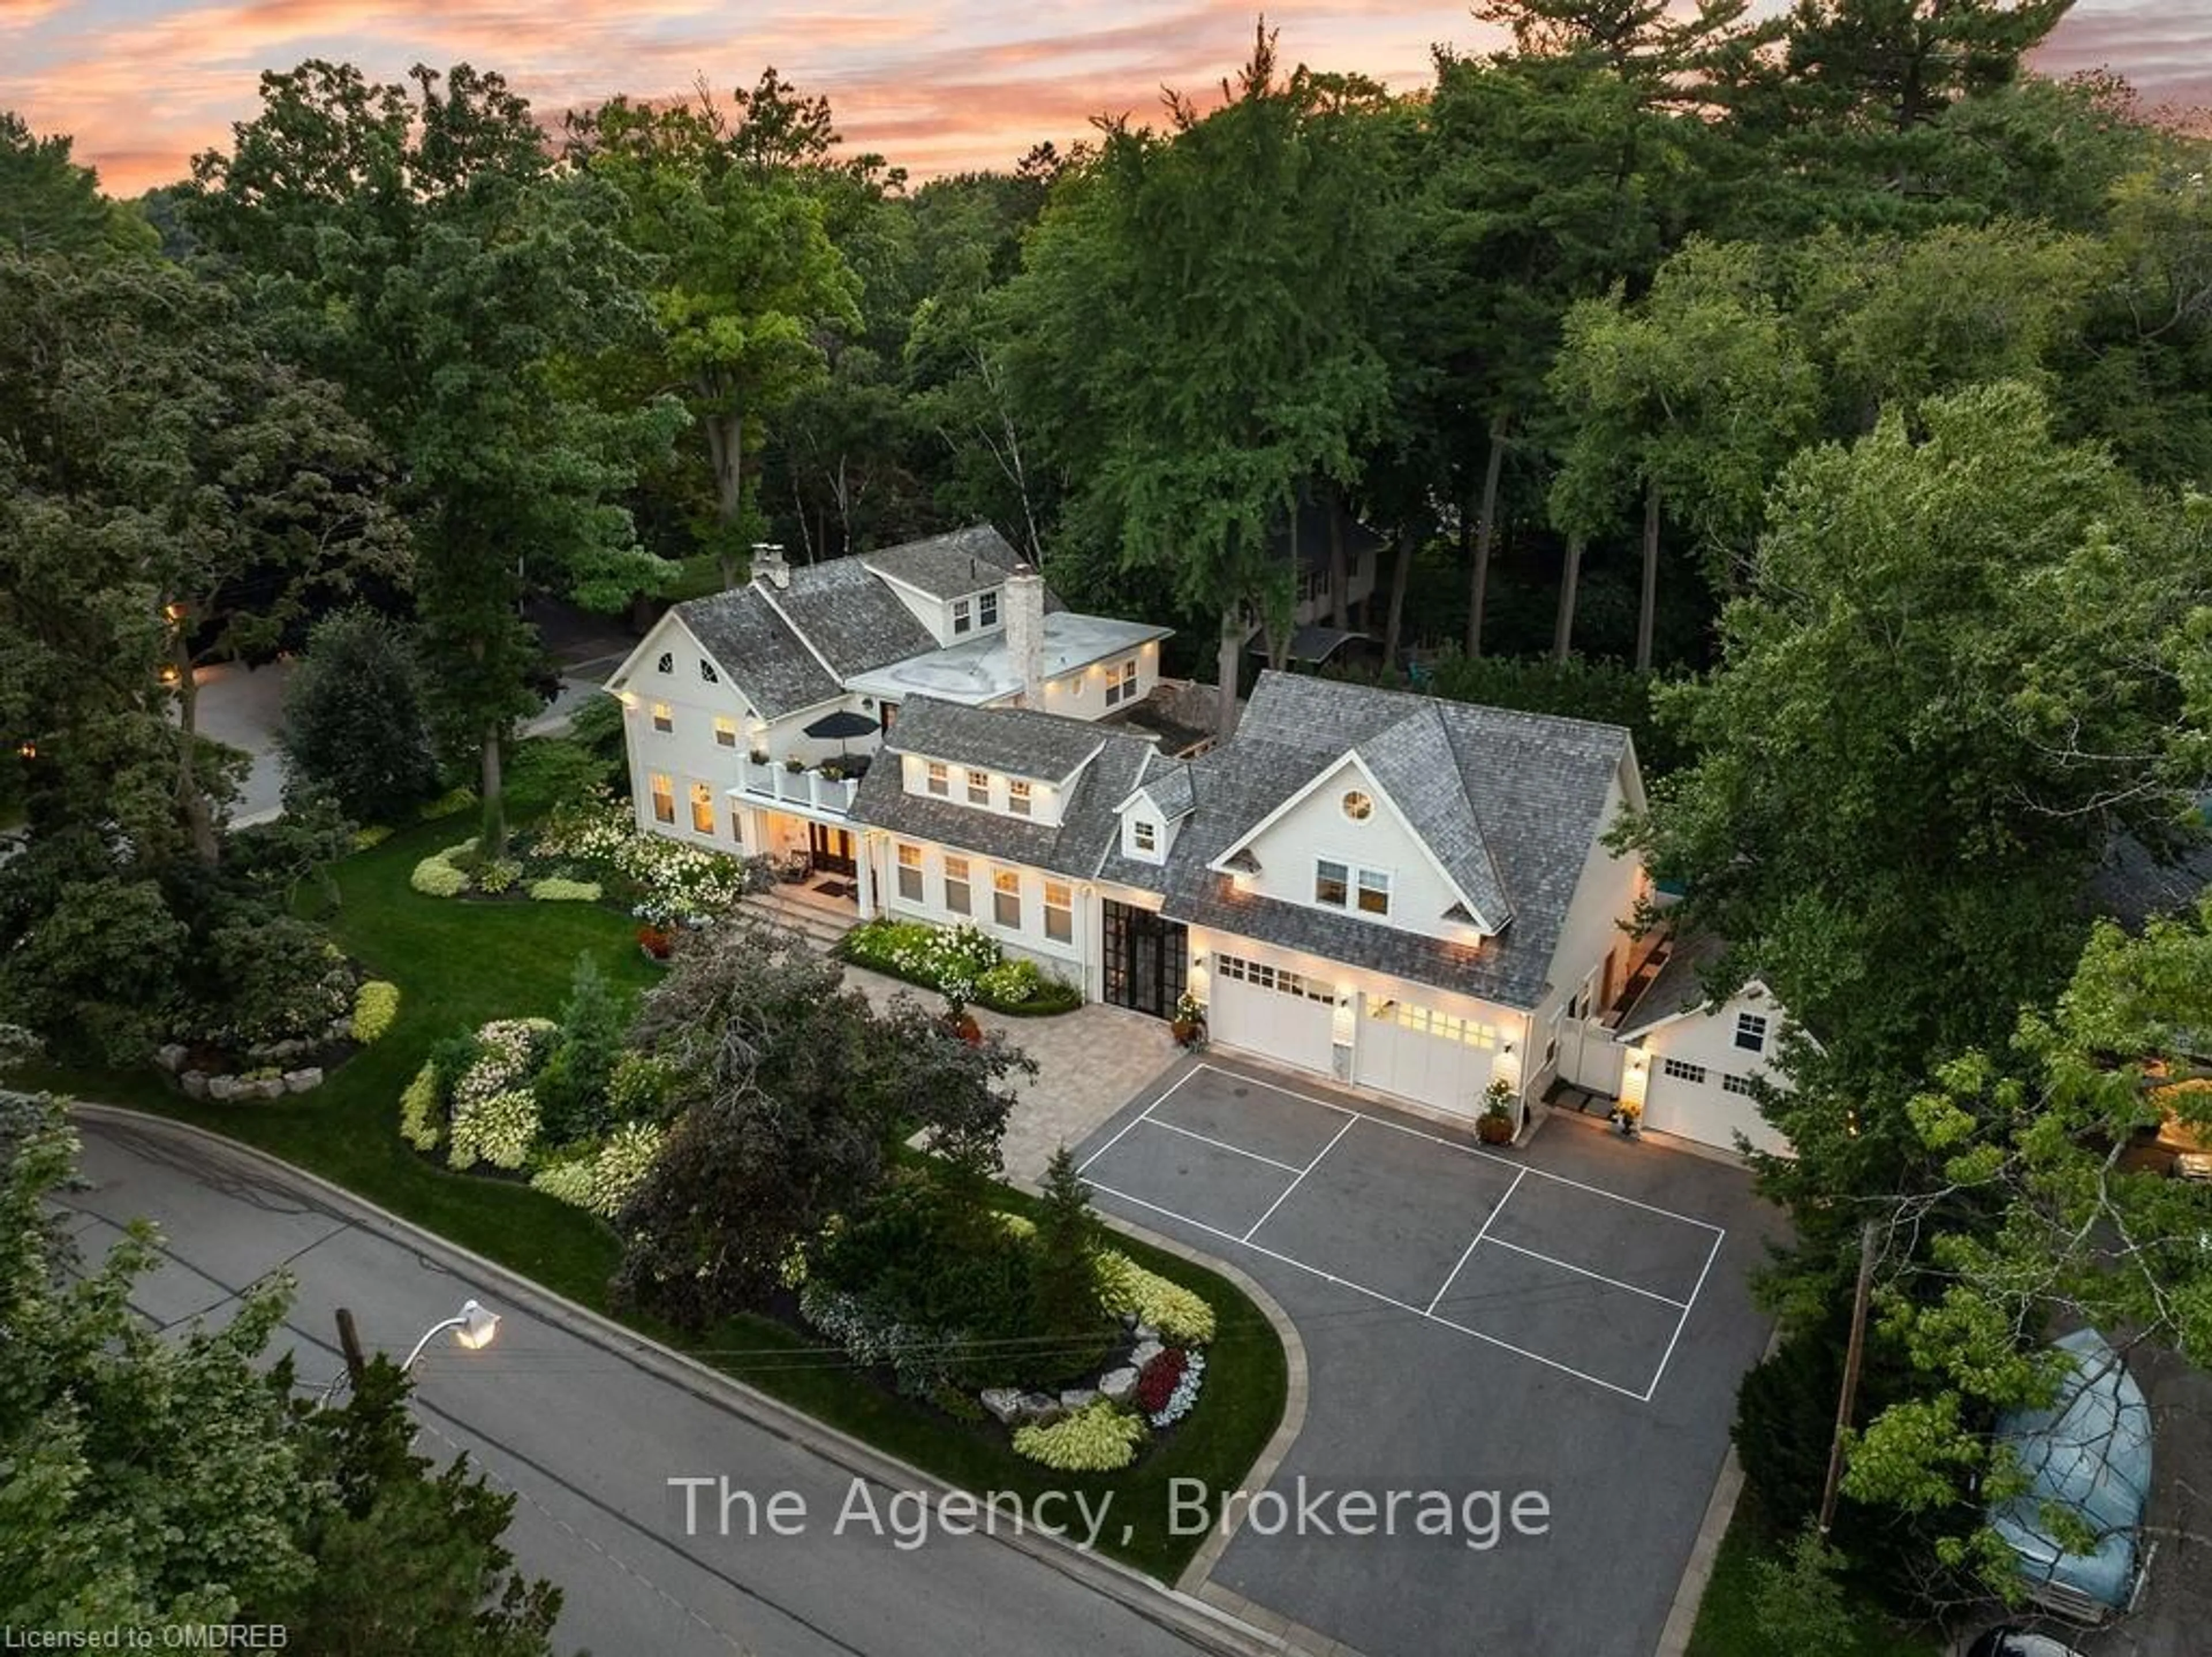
1147, 957
832, 849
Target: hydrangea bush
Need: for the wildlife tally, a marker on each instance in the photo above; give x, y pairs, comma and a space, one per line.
920, 1359
676, 882
1097, 1438
962, 962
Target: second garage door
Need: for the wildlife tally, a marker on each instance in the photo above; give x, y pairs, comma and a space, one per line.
1264, 1009
1425, 1054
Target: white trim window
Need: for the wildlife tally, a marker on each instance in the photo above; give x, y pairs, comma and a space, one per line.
1374, 891
1751, 1032
702, 809
1006, 897
1122, 682
909, 873
663, 797
1264, 975
1058, 911
963, 616
1678, 1069
937, 779
986, 608
725, 731
1733, 1083
979, 788
1332, 883
664, 718
957, 897
736, 823
1145, 836
1017, 795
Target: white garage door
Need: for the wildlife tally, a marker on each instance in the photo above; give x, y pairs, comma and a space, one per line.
1425, 1054
1697, 1102
1264, 1009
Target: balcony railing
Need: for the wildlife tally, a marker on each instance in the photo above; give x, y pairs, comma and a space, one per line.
809, 788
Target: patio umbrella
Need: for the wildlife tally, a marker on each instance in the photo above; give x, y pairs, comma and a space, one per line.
841, 726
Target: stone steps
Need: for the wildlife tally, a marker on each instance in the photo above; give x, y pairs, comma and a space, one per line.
816, 926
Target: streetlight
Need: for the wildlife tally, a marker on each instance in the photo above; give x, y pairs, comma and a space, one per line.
473, 1327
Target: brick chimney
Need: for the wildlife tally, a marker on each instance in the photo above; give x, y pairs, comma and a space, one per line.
1025, 633
769, 565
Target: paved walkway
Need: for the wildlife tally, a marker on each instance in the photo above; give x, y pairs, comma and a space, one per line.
1090, 1062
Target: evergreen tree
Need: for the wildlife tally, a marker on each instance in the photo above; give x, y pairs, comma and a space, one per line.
353, 719
1064, 1277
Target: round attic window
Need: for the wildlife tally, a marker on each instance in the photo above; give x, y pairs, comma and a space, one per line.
1358, 807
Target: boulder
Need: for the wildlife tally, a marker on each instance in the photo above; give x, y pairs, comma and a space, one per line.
266, 1087
1128, 1320
1145, 1332
170, 1057
1041, 1408
1077, 1397
1004, 1402
300, 1082
1118, 1385
223, 1089
341, 1029
196, 1084
1145, 1352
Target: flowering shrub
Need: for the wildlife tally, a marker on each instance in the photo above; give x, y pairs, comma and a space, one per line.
920, 1359
962, 962
498, 1129
433, 877
508, 1051
375, 1005
1169, 1307
554, 890
1155, 1383
603, 1178
422, 1112
676, 882
1183, 1397
1097, 1438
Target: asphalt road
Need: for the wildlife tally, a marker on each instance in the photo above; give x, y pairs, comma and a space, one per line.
588, 1435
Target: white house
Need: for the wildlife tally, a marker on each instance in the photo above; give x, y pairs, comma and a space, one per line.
1387, 890
752, 713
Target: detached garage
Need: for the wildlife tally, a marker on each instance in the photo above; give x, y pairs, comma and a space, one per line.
1695, 1061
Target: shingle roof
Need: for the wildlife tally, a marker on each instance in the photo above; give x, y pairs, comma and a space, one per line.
1167, 782
1073, 846
758, 650
1535, 787
1022, 741
847, 614
1678, 987
950, 565
1414, 762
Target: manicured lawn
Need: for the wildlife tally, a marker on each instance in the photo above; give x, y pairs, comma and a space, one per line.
460, 964
1727, 1623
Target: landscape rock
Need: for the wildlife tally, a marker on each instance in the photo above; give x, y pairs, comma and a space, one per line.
223, 1089
195, 1083
171, 1058
1144, 1333
1041, 1408
341, 1029
1145, 1352
1004, 1402
300, 1082
1077, 1397
267, 1088
1118, 1385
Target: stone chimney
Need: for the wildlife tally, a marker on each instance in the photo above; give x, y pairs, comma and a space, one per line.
1025, 633
769, 564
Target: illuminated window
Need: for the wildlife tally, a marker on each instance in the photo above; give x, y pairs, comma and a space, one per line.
1374, 892
909, 874
1007, 898
956, 884
725, 731
702, 808
1332, 883
1358, 807
664, 717
979, 788
938, 783
1058, 911
664, 798
1018, 797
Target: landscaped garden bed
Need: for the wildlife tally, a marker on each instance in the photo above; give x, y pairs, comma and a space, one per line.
964, 964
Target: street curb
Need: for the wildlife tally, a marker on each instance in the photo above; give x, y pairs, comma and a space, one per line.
1697, 1569
1204, 1623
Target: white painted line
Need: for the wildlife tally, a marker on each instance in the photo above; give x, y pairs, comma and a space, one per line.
1167, 1094
1465, 1150
1218, 1144
1680, 1323
1585, 1272
1377, 1295
1434, 1299
1293, 1185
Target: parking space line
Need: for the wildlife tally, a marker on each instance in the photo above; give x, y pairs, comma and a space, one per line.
1293, 1185
1585, 1272
1464, 1150
1218, 1144
1682, 1322
1140, 1116
1468, 1252
1377, 1295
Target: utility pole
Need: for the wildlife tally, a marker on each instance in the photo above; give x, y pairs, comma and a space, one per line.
1869, 1244
356, 1361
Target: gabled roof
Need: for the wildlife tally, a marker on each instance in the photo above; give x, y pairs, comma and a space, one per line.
758, 652
1166, 783
950, 565
1089, 825
1535, 787
849, 617
1414, 762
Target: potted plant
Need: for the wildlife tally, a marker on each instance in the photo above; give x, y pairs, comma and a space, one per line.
831, 770
958, 1019
1189, 1021
794, 765
656, 942
1625, 1117
760, 756
1495, 1125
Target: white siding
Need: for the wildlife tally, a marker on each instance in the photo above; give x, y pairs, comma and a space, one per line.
1065, 961
1046, 800
1082, 694
1605, 896
1706, 1111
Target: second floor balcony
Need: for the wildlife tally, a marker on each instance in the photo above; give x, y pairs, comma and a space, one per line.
827, 788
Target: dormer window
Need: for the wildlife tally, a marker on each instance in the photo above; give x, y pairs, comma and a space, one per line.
938, 780
1018, 797
979, 788
986, 609
963, 616
1146, 836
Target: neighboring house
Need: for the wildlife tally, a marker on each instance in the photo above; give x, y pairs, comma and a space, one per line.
1304, 542
751, 713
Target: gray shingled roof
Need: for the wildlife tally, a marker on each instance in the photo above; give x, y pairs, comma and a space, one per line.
762, 656
1535, 791
1073, 846
950, 565
846, 612
1679, 986
1413, 763
1167, 782
1022, 742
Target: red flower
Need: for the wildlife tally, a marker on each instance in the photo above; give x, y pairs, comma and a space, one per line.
655, 942
1156, 1385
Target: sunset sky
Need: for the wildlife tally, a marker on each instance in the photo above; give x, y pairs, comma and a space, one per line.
936, 85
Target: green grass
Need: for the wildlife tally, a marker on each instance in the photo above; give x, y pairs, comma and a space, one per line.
460, 964
1728, 1622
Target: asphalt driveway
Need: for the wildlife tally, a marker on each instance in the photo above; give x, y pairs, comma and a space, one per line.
1567, 1321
